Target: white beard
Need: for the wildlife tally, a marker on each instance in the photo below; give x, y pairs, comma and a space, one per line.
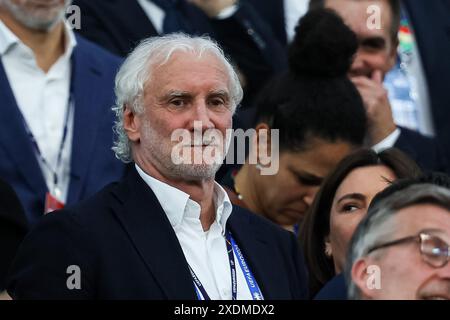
160, 149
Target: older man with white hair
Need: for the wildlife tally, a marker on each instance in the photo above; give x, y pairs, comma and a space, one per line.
56, 90
167, 230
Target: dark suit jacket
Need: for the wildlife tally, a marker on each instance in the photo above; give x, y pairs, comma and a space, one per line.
335, 289
272, 12
13, 227
126, 248
119, 25
427, 152
93, 164
431, 23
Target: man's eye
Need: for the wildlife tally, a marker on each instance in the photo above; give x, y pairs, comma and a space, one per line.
309, 181
373, 44
217, 102
177, 103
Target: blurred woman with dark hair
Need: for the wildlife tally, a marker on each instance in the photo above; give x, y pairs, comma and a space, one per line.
341, 203
319, 116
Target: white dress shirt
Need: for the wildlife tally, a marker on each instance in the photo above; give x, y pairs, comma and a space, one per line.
293, 11
205, 252
387, 142
154, 13
43, 101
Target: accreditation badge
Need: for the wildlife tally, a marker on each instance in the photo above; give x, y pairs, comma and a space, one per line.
52, 203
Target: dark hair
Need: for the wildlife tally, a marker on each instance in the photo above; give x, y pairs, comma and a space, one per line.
315, 98
436, 178
316, 225
395, 10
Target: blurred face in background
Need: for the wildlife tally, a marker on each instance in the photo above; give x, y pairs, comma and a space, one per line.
350, 204
37, 14
286, 196
377, 49
408, 272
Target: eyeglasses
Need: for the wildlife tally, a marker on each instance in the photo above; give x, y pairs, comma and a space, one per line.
434, 251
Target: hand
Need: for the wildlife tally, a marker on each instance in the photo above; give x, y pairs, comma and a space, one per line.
375, 98
212, 8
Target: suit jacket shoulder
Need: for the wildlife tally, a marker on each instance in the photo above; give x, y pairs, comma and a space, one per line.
426, 151
335, 289
106, 58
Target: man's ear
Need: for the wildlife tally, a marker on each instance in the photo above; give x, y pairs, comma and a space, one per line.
131, 124
360, 277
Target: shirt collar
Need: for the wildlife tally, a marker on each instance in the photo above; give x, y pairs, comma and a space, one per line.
223, 206
174, 201
71, 41
8, 39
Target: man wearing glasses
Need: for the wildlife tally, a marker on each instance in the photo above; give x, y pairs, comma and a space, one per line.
400, 250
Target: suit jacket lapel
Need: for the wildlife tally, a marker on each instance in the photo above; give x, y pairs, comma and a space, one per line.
140, 27
272, 11
15, 140
85, 78
256, 249
280, 19
154, 238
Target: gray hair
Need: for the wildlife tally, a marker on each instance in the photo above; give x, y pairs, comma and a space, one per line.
137, 70
379, 222
30, 19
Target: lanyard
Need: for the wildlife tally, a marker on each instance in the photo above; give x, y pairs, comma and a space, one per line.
61, 145
406, 40
232, 249
249, 278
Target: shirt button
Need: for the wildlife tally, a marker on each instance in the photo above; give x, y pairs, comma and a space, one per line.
226, 292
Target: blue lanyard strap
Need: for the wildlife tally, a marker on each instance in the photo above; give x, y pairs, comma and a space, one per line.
232, 249
228, 241
249, 278
199, 289
61, 145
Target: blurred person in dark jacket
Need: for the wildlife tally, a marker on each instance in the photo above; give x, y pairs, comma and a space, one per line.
13, 228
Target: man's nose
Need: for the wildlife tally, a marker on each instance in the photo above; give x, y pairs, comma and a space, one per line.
201, 117
358, 62
444, 272
310, 195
